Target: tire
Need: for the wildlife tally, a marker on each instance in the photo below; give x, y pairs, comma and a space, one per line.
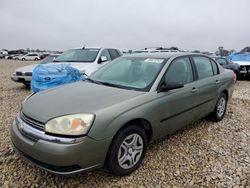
123, 147
27, 85
220, 108
36, 59
23, 59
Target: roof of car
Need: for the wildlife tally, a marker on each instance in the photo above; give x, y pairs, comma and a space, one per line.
162, 54
90, 47
216, 57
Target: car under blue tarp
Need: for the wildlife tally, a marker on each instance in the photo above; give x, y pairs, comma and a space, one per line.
46, 76
239, 56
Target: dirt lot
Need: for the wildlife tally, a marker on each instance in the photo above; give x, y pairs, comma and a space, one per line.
204, 154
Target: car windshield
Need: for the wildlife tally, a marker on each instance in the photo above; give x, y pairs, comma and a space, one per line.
135, 73
48, 59
78, 55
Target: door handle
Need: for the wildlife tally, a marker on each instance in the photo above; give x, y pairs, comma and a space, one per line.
217, 81
194, 90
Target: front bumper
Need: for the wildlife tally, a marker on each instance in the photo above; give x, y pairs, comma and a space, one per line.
21, 79
61, 158
244, 70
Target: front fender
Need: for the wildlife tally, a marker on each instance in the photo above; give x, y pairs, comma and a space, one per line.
109, 121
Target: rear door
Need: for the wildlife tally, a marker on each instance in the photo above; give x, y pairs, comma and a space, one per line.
207, 84
29, 57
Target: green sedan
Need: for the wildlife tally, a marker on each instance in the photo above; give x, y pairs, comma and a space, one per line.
108, 120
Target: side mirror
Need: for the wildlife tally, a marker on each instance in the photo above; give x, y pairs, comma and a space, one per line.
171, 86
102, 59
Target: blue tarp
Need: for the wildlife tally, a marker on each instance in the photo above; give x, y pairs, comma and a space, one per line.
46, 76
239, 56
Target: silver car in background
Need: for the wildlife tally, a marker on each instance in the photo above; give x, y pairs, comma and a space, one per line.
24, 74
86, 60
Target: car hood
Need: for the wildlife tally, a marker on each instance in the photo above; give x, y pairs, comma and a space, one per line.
82, 67
79, 97
242, 63
28, 68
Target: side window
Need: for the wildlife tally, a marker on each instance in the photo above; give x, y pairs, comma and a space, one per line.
203, 66
215, 67
114, 54
105, 53
221, 61
180, 71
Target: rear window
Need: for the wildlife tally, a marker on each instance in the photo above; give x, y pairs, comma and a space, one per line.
78, 55
114, 53
221, 61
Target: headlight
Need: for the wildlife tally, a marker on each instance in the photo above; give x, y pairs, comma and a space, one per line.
77, 124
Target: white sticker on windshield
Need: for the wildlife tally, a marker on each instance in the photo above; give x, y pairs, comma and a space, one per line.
154, 60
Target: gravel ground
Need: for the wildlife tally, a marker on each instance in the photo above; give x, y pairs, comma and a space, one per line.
204, 154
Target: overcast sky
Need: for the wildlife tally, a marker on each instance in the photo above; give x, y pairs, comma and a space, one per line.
125, 24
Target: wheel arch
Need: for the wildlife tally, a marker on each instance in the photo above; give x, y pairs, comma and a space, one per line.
226, 93
143, 123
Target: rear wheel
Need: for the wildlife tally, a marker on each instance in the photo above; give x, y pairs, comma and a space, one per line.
23, 59
127, 151
220, 108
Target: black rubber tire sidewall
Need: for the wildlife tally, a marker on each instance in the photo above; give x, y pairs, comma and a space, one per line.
112, 165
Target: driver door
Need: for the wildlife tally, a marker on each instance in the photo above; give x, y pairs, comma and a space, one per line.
176, 107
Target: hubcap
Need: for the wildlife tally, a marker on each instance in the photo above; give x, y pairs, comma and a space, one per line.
130, 151
221, 107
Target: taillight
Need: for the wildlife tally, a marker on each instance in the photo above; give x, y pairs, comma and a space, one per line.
234, 77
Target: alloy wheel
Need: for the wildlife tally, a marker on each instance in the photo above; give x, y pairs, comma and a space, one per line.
221, 107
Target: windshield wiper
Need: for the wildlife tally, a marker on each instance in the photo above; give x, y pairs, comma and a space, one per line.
103, 83
94, 81
111, 85
80, 61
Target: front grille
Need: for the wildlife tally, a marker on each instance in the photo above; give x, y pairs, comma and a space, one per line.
245, 68
19, 73
33, 123
28, 74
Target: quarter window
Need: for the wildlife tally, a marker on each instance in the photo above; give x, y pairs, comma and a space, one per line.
180, 71
215, 67
203, 66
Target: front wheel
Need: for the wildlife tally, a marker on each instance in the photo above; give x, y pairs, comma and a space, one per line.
27, 85
220, 108
127, 151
